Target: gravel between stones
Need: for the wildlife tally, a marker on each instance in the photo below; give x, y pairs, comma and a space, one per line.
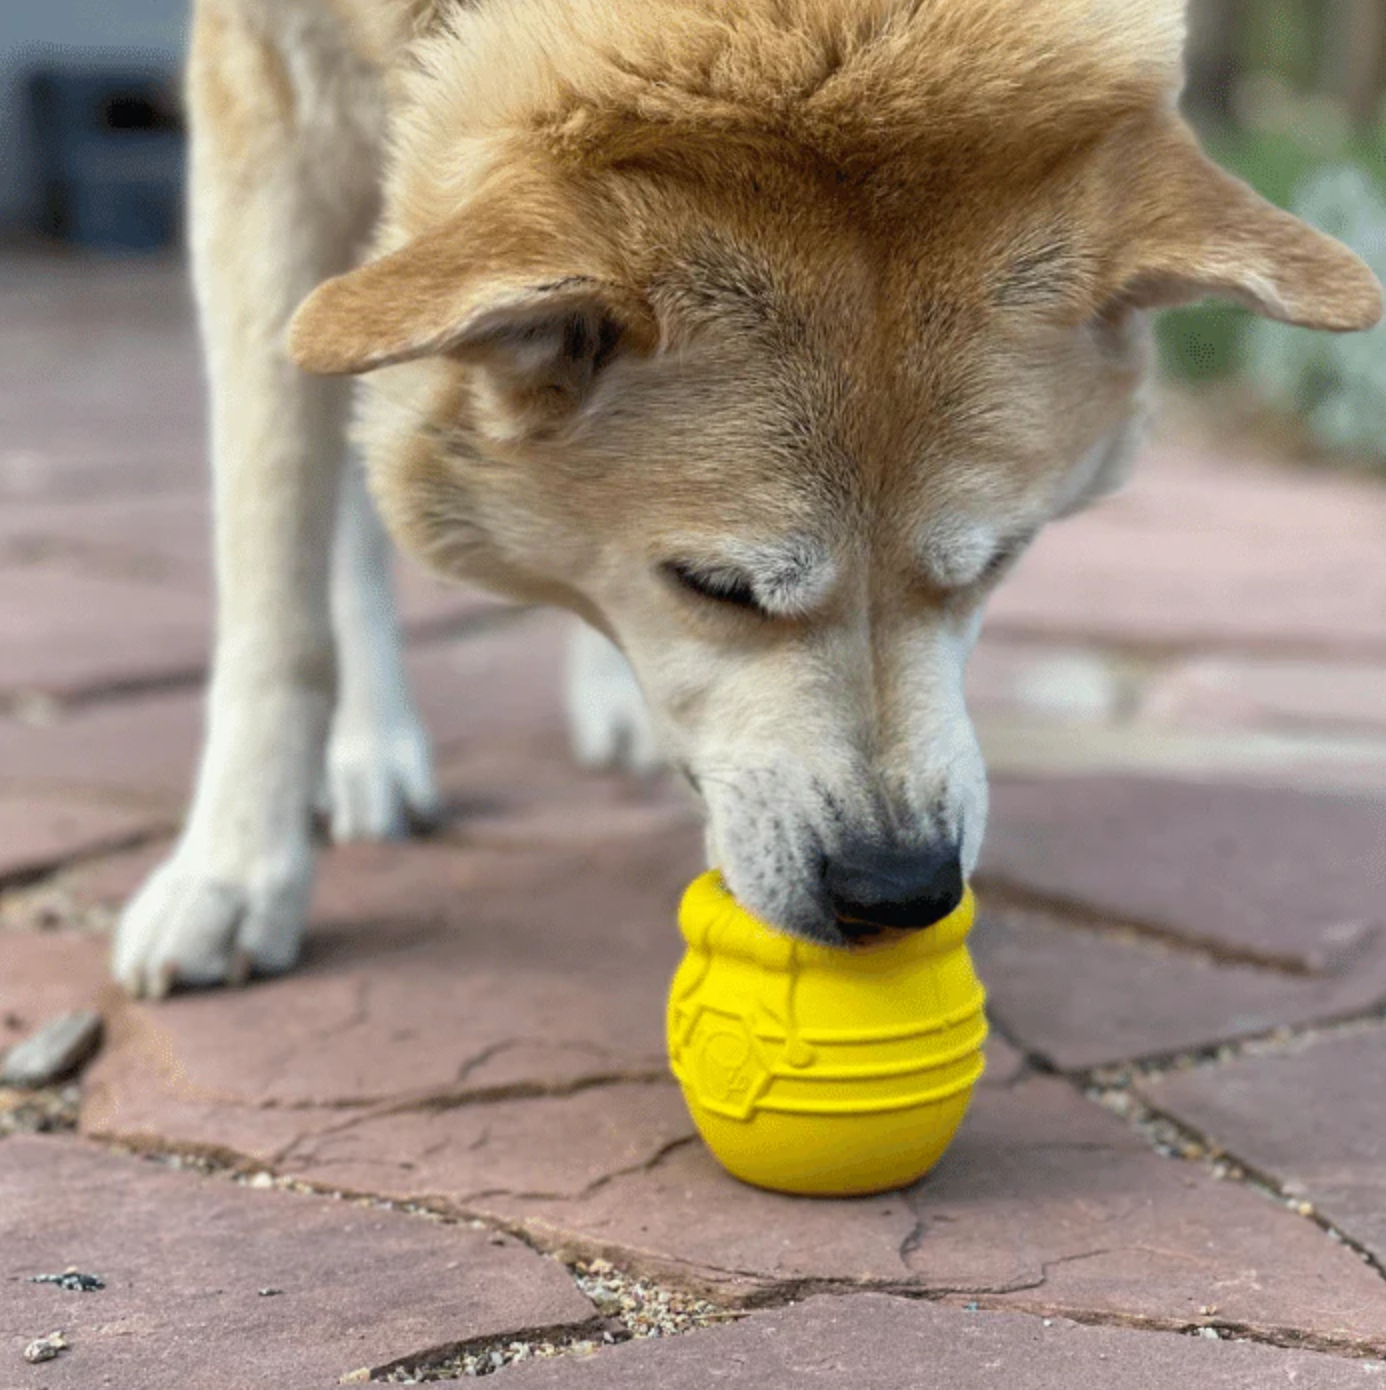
52, 1110
635, 1308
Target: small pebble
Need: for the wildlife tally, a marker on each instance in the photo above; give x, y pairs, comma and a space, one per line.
74, 1281
56, 1050
45, 1348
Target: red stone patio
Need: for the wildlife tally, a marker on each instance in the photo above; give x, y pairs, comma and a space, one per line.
449, 1143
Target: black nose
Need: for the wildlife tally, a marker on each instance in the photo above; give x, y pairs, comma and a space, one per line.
871, 887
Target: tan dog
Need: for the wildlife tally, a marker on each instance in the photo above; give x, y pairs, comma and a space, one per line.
761, 334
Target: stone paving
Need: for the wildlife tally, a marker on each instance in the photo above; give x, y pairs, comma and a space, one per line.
449, 1145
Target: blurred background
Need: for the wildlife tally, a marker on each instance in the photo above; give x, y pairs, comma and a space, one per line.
91, 150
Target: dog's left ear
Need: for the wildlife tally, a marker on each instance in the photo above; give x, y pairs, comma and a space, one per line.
540, 329
1197, 233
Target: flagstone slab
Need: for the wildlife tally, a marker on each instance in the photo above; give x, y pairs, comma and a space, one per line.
431, 970
1218, 692
1288, 877
486, 697
1203, 551
212, 1284
38, 831
43, 462
1309, 1116
44, 975
1080, 999
1050, 682
159, 539
63, 632
898, 1344
1046, 1203
167, 539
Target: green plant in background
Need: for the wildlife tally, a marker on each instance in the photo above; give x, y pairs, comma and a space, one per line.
1209, 341
1337, 383
1288, 95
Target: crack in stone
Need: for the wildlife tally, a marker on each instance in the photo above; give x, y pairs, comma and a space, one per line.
759, 1293
914, 1239
480, 1059
1001, 894
1278, 1040
424, 632
1268, 1185
1039, 1280
1170, 1137
30, 875
277, 1063
381, 1106
418, 1365
1280, 1337
645, 1165
440, 1101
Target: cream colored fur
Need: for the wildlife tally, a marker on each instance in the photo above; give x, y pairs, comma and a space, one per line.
823, 306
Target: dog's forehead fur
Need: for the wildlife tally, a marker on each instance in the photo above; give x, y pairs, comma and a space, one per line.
901, 108
825, 196
836, 75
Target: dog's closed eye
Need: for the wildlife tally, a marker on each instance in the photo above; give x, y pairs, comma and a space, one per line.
1004, 556
726, 586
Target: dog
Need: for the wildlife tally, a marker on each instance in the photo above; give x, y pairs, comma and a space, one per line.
762, 335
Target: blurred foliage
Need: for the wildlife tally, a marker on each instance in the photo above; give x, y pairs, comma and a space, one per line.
1207, 342
1284, 92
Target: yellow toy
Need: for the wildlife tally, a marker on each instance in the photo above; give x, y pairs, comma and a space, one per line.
817, 1070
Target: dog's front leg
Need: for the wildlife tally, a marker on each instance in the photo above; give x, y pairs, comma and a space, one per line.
282, 188
379, 781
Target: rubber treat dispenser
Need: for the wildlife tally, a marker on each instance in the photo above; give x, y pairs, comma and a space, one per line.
820, 1070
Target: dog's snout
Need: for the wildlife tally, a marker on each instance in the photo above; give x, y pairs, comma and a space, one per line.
871, 888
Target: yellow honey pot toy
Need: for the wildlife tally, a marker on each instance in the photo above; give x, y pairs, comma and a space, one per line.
817, 1070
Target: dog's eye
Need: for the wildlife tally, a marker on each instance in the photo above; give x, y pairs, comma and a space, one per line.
1004, 556
996, 564
720, 585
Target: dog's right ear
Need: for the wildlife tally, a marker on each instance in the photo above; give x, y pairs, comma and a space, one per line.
1196, 232
538, 325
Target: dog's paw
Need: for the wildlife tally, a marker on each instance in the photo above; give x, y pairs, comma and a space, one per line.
192, 925
608, 722
379, 779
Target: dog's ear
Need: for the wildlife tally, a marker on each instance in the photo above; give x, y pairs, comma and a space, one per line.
539, 328
1199, 233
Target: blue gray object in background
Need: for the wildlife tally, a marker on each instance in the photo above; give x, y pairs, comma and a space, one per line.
1336, 381
110, 160
70, 34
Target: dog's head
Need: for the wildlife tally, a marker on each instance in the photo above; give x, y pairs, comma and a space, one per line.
765, 337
